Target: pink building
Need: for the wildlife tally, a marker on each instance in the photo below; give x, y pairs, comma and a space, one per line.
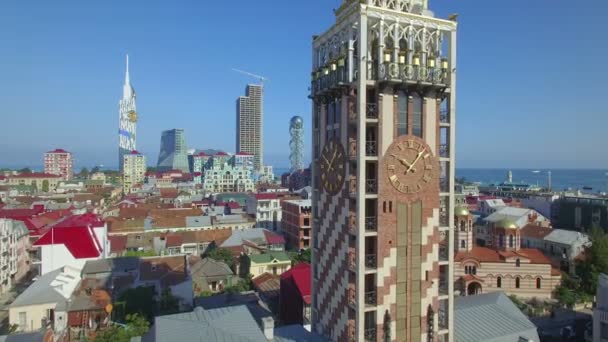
72, 242
59, 162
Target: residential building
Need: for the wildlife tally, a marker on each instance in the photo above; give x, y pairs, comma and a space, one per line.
580, 212
72, 242
296, 223
173, 151
543, 203
383, 113
222, 175
87, 309
249, 114
295, 300
44, 303
39, 181
491, 317
200, 162
59, 162
273, 262
244, 159
266, 175
600, 313
268, 287
266, 208
563, 247
134, 170
14, 257
210, 276
254, 241
525, 272
490, 206
127, 120
467, 189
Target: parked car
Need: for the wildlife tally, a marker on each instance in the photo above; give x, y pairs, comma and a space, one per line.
567, 332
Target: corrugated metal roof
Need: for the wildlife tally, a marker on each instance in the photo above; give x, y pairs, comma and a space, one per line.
566, 237
490, 317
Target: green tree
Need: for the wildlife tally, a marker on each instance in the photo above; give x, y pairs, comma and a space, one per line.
135, 325
25, 170
84, 172
169, 304
595, 262
139, 300
243, 285
95, 169
223, 255
45, 185
300, 257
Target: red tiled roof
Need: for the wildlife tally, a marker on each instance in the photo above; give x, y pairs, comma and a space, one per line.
469, 277
58, 150
36, 175
173, 240
266, 196
135, 152
244, 154
273, 239
221, 154
534, 231
301, 275
118, 243
479, 253
202, 154
555, 271
484, 254
88, 219
2, 177
79, 239
20, 213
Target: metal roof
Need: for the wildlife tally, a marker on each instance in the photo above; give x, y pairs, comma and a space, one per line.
566, 237
491, 317
53, 287
123, 264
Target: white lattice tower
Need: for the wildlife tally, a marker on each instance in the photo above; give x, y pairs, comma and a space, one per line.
296, 143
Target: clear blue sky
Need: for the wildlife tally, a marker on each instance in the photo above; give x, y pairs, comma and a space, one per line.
532, 76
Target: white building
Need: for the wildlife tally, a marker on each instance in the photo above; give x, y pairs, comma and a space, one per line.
59, 162
267, 210
489, 206
133, 171
72, 242
223, 176
14, 258
600, 313
541, 203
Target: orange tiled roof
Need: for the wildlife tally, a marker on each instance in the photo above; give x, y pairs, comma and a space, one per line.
535, 231
484, 254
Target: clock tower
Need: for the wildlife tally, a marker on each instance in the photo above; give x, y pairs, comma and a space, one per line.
383, 90
127, 121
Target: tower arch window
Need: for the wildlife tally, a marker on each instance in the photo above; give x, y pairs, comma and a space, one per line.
538, 283
417, 116
511, 241
517, 262
462, 244
499, 282
402, 113
517, 282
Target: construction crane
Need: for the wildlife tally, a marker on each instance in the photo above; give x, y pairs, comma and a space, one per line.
262, 79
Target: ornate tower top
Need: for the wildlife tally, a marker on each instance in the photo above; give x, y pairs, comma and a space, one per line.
410, 6
127, 89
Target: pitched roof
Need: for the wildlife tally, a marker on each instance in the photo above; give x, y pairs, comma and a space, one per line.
484, 254
169, 270
534, 231
208, 267
52, 287
266, 196
122, 264
301, 276
77, 234
273, 239
269, 257
490, 317
234, 323
566, 237
35, 175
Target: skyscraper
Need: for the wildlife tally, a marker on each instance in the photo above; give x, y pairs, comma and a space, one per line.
249, 111
296, 143
127, 120
173, 151
383, 91
59, 162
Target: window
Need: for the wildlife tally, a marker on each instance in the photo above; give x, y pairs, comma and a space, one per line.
517, 263
22, 321
384, 207
499, 282
390, 206
417, 116
538, 283
402, 114
501, 240
511, 241
517, 282
462, 244
307, 221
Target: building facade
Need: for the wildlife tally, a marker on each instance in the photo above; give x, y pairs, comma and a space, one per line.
383, 90
173, 151
580, 212
222, 175
39, 181
249, 114
296, 223
14, 257
127, 120
266, 207
600, 313
59, 162
134, 170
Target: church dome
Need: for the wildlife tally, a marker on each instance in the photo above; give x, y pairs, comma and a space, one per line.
507, 224
462, 211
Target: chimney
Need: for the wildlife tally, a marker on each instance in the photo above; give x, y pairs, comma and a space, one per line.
268, 327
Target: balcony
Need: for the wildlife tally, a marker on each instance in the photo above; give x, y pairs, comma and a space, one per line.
352, 148
444, 220
329, 77
370, 298
443, 319
444, 185
371, 148
443, 252
352, 223
371, 111
352, 186
371, 224
369, 335
352, 296
371, 261
352, 261
371, 186
352, 331
444, 151
399, 73
443, 287
444, 116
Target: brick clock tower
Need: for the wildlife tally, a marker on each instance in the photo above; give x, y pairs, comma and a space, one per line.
383, 91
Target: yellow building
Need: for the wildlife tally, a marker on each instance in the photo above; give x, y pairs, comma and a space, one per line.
40, 181
272, 262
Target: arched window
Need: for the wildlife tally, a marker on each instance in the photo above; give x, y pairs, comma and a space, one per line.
462, 244
402, 113
517, 282
499, 282
517, 263
417, 116
511, 241
501, 240
462, 226
474, 270
538, 283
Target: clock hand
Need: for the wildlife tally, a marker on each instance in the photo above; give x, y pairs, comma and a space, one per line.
330, 168
415, 161
404, 162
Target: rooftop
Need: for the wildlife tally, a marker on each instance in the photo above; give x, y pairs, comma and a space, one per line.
567, 237
484, 254
301, 276
53, 287
269, 257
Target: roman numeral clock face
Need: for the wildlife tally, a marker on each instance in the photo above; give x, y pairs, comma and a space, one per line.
410, 165
332, 166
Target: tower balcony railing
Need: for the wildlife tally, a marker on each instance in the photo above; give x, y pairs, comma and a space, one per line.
352, 260
352, 296
444, 116
329, 77
444, 220
444, 151
444, 185
443, 287
352, 186
371, 186
371, 261
352, 331
442, 319
371, 148
371, 223
443, 252
370, 298
352, 148
397, 72
352, 109
352, 223
371, 111
369, 335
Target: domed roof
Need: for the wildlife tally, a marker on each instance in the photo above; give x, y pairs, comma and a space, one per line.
296, 122
507, 224
462, 211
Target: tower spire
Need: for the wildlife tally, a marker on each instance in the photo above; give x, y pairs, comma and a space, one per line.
127, 90
127, 81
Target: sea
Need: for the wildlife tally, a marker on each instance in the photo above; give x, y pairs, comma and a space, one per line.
562, 179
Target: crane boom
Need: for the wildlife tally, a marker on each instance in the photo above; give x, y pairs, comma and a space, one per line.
262, 79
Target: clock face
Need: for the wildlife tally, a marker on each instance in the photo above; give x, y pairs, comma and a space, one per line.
410, 165
132, 116
332, 164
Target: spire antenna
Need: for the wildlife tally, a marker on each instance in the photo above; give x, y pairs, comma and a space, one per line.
127, 81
